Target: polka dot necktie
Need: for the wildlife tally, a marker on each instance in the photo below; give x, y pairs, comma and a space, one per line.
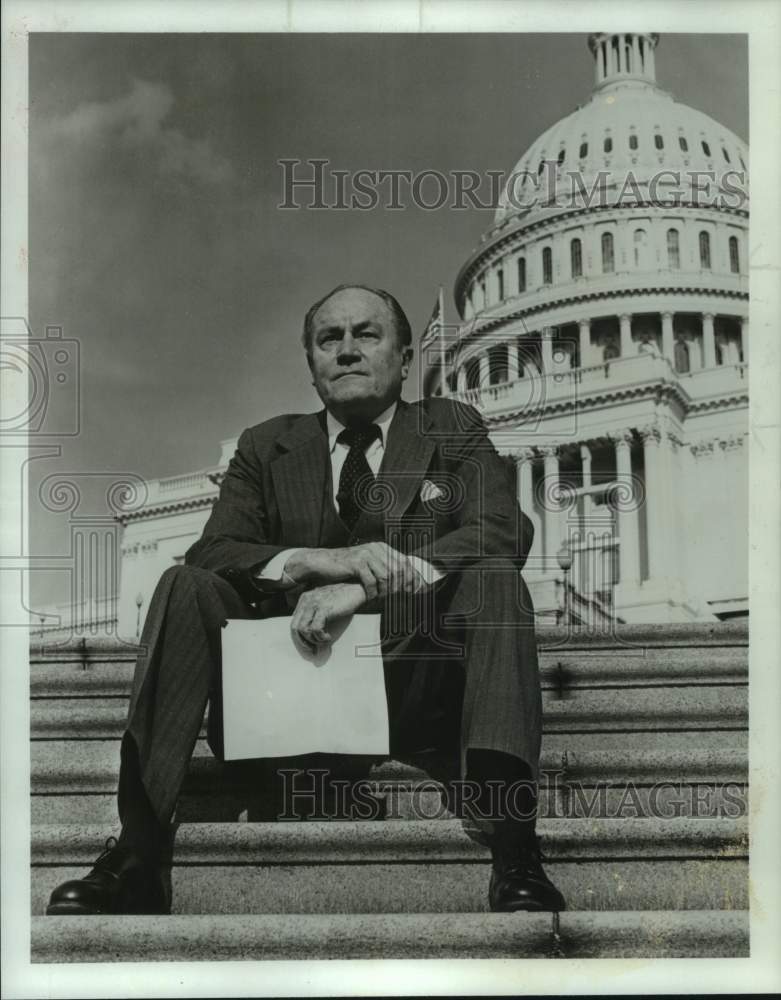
356, 473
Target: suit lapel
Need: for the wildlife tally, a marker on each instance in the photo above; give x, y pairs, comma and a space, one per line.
407, 457
300, 482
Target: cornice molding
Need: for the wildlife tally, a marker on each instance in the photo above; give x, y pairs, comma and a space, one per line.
174, 507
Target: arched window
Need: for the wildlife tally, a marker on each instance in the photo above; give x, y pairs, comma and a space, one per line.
640, 243
658, 141
541, 167
583, 149
500, 284
683, 144
521, 274
560, 157
705, 251
576, 258
473, 373
608, 260
673, 249
726, 155
607, 145
547, 266
633, 141
705, 148
734, 255
483, 296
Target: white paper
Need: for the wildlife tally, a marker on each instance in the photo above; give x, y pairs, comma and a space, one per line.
280, 700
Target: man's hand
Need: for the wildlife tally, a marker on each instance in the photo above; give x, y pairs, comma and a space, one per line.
378, 568
318, 608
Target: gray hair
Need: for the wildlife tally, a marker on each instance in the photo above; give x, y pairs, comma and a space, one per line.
403, 329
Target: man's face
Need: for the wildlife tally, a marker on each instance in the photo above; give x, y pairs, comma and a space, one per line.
357, 363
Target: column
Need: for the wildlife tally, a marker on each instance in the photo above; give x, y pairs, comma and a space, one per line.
584, 332
621, 55
668, 343
637, 65
626, 335
650, 59
588, 503
524, 477
461, 379
510, 280
654, 499
708, 342
513, 364
546, 343
628, 533
609, 50
551, 508
744, 337
478, 296
485, 371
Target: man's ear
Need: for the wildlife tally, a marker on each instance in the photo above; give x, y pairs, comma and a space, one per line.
407, 355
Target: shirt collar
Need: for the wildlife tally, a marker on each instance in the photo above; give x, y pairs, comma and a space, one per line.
335, 427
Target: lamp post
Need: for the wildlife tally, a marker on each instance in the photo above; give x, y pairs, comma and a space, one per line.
139, 602
564, 557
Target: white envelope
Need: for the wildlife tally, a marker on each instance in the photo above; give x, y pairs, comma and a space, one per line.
280, 701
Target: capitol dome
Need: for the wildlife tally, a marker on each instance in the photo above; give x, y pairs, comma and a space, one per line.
629, 125
603, 334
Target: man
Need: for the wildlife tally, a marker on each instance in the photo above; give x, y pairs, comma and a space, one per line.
372, 502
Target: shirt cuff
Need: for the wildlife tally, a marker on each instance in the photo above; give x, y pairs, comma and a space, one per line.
429, 573
273, 575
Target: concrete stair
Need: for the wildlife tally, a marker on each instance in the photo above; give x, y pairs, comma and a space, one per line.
643, 821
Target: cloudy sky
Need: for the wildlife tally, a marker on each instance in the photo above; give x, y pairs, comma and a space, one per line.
155, 236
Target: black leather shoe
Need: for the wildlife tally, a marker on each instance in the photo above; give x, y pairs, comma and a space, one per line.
121, 881
520, 883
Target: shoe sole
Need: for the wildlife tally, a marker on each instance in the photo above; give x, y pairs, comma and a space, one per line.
529, 909
72, 910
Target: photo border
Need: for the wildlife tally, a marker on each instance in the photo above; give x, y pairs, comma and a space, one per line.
761, 20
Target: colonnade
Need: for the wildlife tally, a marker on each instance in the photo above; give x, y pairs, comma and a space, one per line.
629, 345
552, 506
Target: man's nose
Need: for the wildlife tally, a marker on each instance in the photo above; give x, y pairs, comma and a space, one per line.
348, 348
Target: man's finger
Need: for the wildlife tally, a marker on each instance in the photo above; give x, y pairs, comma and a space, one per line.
367, 579
318, 627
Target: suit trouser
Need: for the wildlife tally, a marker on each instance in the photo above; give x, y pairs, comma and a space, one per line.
460, 672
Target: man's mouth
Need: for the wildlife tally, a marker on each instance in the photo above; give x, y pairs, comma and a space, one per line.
345, 374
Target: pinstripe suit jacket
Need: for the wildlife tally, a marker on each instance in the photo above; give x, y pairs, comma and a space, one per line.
276, 485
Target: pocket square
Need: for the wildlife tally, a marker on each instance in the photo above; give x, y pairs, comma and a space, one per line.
429, 491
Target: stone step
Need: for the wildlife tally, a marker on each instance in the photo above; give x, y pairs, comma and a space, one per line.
306, 843
75, 782
667, 802
461, 887
549, 638
74, 674
655, 934
423, 866
92, 766
692, 707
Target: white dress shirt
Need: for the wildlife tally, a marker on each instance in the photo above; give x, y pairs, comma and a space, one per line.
273, 573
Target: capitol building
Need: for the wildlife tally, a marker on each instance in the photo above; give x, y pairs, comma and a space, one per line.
602, 332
